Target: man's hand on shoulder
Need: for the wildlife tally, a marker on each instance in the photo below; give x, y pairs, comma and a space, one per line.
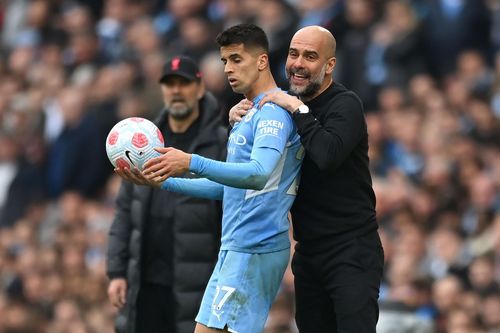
281, 98
239, 110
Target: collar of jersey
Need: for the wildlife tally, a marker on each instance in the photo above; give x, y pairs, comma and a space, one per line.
257, 98
255, 102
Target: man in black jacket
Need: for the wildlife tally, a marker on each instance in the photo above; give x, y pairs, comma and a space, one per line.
338, 258
163, 246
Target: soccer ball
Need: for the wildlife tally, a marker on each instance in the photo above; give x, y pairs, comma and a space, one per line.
131, 142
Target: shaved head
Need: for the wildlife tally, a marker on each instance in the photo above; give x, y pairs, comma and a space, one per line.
320, 36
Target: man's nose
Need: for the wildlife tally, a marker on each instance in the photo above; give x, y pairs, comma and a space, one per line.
298, 62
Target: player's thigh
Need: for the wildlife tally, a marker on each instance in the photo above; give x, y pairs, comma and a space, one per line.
314, 310
241, 291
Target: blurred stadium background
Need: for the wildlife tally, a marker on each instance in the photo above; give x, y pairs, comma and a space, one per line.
428, 72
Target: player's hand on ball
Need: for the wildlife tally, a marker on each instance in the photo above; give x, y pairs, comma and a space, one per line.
239, 110
125, 173
172, 162
136, 177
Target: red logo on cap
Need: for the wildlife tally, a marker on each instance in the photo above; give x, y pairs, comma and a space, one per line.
175, 64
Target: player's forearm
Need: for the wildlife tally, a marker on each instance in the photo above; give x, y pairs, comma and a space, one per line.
251, 175
199, 187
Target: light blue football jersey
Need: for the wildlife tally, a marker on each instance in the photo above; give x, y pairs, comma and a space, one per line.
257, 221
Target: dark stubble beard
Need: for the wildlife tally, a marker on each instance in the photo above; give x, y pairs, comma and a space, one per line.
179, 113
312, 88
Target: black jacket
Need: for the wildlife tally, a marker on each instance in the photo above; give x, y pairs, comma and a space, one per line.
195, 232
335, 196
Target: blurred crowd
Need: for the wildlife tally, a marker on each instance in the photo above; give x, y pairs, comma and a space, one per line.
428, 72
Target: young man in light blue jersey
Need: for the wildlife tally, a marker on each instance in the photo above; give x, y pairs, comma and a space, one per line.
257, 184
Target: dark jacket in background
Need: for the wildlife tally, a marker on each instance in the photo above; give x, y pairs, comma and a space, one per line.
193, 234
446, 35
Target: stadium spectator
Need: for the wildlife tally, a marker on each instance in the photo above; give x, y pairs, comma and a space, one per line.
21, 181
79, 141
354, 33
451, 27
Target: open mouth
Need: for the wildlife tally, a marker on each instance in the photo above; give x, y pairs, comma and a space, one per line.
299, 78
232, 81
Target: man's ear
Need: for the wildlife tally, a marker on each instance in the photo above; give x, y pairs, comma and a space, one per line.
330, 65
263, 61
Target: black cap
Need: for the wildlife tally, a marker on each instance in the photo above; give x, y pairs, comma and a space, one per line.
181, 66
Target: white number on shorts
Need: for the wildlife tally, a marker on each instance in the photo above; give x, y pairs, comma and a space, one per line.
228, 291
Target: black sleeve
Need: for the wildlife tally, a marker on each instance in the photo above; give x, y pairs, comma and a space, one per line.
223, 134
328, 142
117, 256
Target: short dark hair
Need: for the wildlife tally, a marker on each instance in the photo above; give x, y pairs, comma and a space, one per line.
247, 34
